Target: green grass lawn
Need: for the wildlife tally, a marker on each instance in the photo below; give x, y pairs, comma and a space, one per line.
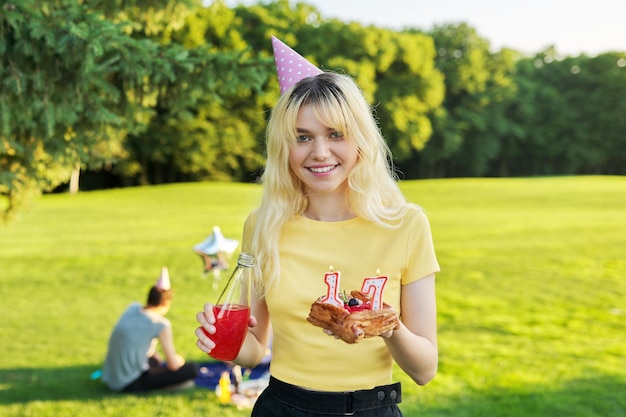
532, 295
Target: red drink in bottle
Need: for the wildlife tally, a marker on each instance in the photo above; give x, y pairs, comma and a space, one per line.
231, 326
232, 311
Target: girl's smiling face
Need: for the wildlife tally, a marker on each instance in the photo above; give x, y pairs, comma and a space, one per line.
322, 158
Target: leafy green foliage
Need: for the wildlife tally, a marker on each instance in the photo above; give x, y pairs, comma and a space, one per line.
152, 91
73, 81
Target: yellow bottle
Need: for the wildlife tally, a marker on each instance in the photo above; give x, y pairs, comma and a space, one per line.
224, 384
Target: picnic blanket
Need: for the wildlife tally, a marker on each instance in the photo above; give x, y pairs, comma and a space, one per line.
210, 373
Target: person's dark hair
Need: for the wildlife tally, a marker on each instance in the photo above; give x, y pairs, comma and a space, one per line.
158, 296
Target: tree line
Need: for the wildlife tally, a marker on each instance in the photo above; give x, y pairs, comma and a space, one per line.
134, 92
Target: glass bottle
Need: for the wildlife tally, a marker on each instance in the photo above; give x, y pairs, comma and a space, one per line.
232, 311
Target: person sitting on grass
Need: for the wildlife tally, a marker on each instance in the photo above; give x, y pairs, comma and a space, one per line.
132, 363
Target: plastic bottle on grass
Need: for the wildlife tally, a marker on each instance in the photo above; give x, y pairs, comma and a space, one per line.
224, 393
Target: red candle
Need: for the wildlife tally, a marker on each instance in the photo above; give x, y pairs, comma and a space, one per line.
331, 279
373, 287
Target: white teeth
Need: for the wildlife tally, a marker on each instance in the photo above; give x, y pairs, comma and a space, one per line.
324, 169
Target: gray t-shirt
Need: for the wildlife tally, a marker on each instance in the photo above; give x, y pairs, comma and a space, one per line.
132, 339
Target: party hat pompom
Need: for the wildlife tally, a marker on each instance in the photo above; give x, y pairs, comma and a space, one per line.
164, 280
291, 66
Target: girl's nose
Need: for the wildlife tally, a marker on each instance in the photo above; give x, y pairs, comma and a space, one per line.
320, 150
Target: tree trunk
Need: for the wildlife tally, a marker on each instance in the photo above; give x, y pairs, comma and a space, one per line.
74, 179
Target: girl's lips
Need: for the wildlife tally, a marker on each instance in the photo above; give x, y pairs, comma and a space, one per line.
322, 170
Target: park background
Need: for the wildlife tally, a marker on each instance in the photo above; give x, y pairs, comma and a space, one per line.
142, 124
108, 94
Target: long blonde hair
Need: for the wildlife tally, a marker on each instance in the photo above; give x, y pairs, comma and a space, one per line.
373, 192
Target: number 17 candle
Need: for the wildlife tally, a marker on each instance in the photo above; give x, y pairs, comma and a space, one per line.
331, 279
373, 287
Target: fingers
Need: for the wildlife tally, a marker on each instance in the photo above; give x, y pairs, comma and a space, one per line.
204, 343
358, 331
180, 360
206, 318
252, 321
205, 322
330, 333
387, 334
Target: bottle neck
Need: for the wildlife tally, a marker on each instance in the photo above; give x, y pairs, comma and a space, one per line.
245, 260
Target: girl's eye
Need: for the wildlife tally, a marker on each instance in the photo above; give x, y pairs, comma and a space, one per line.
302, 138
336, 135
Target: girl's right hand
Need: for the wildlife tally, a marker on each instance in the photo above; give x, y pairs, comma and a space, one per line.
206, 318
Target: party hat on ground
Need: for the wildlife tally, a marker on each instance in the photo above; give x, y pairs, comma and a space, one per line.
290, 65
164, 280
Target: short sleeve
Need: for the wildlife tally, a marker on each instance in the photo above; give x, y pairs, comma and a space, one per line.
421, 258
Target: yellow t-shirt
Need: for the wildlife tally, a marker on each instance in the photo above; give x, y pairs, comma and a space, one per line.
302, 354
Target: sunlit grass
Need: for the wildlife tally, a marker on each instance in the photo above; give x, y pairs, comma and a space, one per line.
531, 295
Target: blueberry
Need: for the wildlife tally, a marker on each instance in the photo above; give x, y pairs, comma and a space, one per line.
353, 302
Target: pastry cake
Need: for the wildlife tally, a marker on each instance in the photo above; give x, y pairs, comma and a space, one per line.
356, 319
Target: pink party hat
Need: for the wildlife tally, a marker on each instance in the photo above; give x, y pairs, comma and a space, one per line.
164, 280
290, 65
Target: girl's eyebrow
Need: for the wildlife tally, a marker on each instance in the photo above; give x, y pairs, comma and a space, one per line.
302, 130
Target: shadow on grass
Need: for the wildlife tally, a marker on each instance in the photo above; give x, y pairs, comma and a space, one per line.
601, 396
24, 385
28, 384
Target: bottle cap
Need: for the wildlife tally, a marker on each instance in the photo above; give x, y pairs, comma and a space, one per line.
246, 259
